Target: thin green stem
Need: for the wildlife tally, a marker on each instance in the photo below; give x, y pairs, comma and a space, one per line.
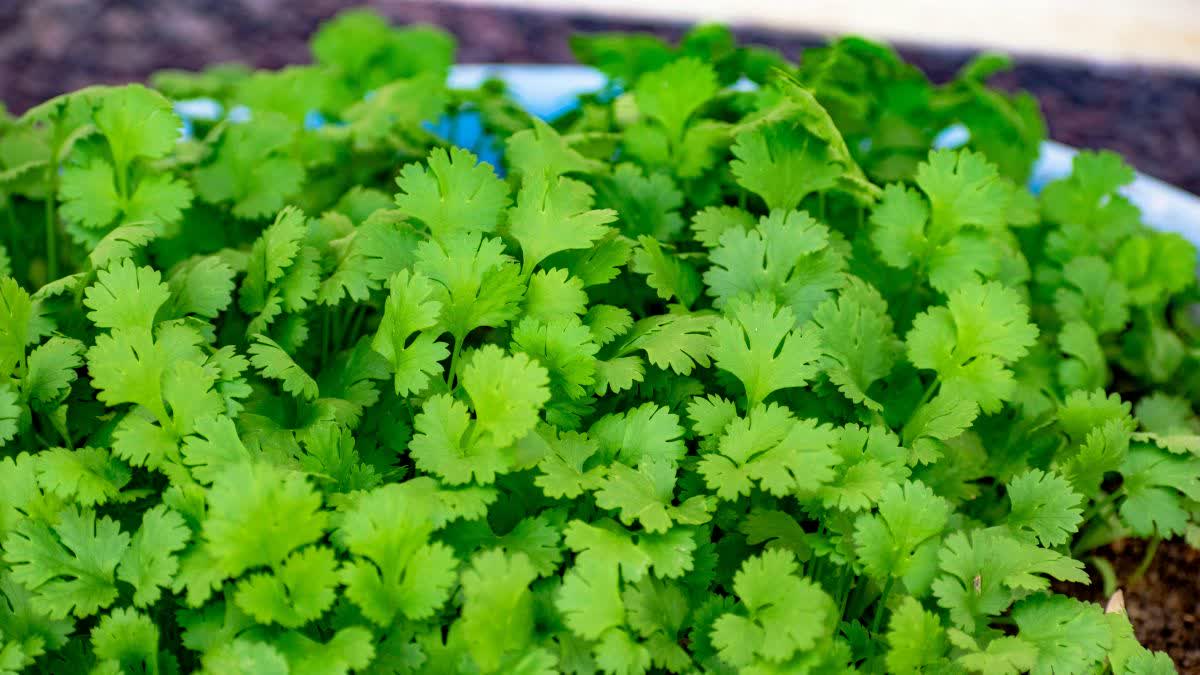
929, 392
844, 592
450, 372
925, 398
1147, 560
1101, 504
51, 227
882, 604
340, 324
10, 210
325, 336
356, 321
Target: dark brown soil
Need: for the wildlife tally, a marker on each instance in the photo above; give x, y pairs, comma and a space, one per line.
1151, 116
1165, 607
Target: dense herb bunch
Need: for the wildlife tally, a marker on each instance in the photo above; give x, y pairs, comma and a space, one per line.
699, 378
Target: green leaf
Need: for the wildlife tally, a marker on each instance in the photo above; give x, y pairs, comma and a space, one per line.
128, 640
137, 122
16, 316
1085, 366
497, 618
769, 447
757, 344
984, 572
1044, 505
788, 257
542, 149
50, 370
909, 515
646, 494
645, 433
680, 342
506, 392
1069, 635
396, 569
254, 166
297, 591
456, 194
202, 286
126, 296
916, 640
784, 613
257, 515
590, 598
149, 563
970, 341
562, 470
69, 566
1157, 486
407, 313
872, 459
858, 342
783, 164
89, 476
673, 93
476, 283
275, 363
1094, 297
555, 215
553, 294
671, 276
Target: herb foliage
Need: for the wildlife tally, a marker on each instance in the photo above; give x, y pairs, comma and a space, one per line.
699, 378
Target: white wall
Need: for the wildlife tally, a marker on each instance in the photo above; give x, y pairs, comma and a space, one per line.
1147, 31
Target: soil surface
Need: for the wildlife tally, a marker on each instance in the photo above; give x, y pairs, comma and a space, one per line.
1164, 607
1152, 116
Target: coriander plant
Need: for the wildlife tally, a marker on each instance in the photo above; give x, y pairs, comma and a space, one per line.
694, 378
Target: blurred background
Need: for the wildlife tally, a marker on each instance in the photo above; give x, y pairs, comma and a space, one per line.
1109, 73
1116, 74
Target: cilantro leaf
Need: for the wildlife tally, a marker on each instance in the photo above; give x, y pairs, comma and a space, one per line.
645, 495
275, 363
783, 612
982, 328
299, 590
457, 194
768, 447
396, 570
783, 164
506, 393
126, 297
1045, 505
858, 343
757, 343
70, 565
257, 515
554, 215
984, 572
413, 354
149, 563
792, 259
673, 93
